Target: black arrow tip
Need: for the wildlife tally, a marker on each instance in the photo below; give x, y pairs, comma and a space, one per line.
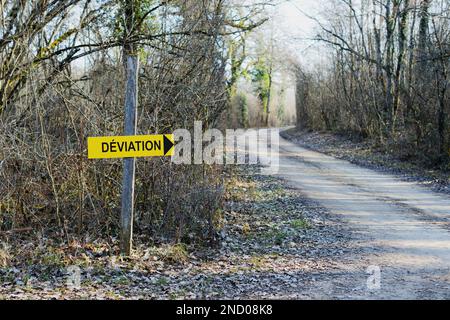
168, 144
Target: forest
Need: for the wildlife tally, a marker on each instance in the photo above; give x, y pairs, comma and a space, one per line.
387, 80
49, 108
358, 105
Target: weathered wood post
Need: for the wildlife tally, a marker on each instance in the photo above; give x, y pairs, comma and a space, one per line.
129, 164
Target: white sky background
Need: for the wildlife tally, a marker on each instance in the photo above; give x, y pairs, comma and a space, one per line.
294, 30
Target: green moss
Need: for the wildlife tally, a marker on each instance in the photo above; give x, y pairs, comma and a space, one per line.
300, 224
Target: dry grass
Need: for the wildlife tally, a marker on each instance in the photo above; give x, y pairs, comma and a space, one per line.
4, 255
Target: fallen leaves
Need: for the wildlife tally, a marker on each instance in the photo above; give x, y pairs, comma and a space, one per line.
272, 242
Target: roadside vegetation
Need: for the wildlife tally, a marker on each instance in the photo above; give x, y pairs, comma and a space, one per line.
387, 80
62, 80
266, 250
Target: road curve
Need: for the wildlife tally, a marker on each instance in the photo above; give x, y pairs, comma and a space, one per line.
408, 224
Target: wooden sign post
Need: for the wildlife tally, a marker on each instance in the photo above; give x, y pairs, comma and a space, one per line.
129, 147
131, 58
129, 164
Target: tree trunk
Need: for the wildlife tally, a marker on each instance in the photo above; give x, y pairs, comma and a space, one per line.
401, 51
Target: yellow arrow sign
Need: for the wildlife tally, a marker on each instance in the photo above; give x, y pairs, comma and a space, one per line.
157, 145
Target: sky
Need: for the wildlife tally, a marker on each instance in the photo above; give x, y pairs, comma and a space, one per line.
291, 19
292, 28
295, 29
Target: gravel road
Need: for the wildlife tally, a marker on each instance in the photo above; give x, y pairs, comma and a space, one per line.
405, 226
315, 228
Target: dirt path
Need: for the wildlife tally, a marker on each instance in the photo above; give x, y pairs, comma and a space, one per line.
406, 225
320, 228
